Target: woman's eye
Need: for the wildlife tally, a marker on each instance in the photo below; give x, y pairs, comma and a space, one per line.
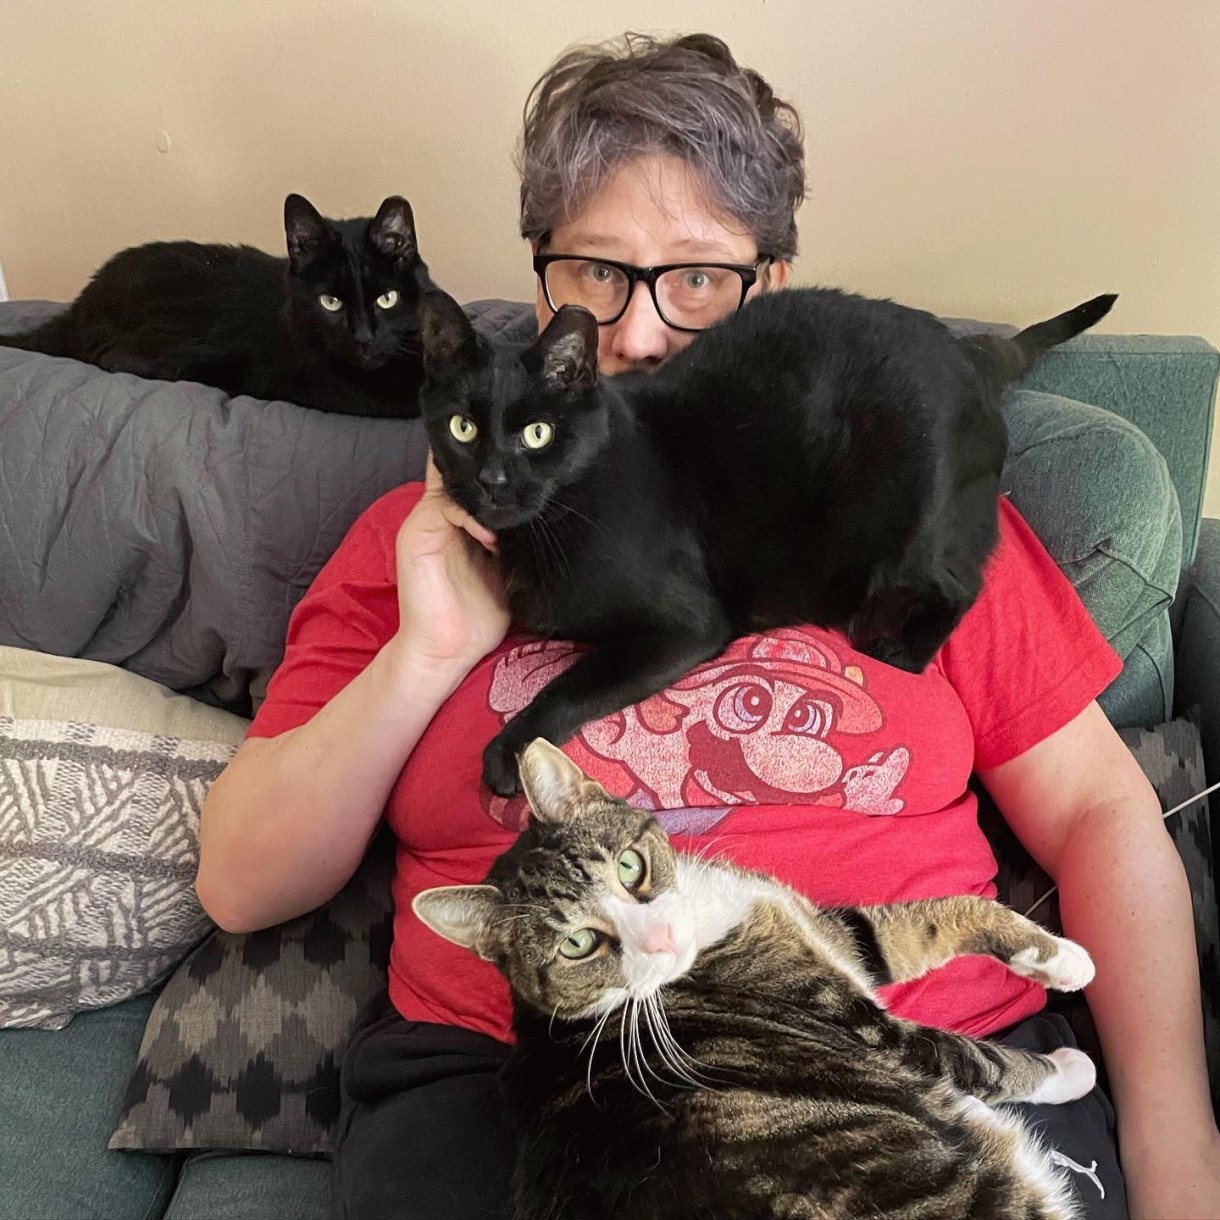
388, 300
463, 429
696, 281
599, 273
330, 304
579, 944
537, 436
630, 869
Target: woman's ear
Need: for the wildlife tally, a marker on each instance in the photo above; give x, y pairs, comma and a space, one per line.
775, 275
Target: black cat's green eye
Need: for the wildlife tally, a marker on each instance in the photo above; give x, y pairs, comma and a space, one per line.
388, 300
579, 944
463, 429
630, 869
538, 435
329, 303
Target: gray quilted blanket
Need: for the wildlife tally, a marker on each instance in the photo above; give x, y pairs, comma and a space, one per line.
168, 528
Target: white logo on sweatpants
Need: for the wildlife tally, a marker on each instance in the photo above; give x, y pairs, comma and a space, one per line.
1091, 1172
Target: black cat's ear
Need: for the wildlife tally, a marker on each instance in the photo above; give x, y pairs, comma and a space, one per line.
462, 914
553, 784
393, 229
567, 349
445, 332
307, 232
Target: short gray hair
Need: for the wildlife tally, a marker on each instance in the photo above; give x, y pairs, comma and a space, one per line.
601, 105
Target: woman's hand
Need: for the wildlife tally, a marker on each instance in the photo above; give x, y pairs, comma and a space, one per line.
451, 603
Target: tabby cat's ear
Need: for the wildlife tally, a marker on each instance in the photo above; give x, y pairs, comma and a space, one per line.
444, 331
393, 229
462, 914
307, 232
553, 784
567, 348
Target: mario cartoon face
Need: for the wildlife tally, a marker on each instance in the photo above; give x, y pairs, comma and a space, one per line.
761, 724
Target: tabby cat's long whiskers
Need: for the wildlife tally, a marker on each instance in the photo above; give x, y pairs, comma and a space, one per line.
595, 1035
629, 1047
675, 1058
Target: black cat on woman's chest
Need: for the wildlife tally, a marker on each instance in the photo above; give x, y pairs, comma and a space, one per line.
334, 326
816, 458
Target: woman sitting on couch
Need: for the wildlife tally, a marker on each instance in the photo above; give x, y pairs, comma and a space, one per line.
398, 671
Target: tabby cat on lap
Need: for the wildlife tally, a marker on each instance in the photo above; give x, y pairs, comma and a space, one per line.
695, 1040
815, 458
334, 326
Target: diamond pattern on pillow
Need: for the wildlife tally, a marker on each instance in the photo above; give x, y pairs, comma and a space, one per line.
243, 1046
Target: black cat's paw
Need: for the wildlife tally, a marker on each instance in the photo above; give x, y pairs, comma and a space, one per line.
500, 765
893, 651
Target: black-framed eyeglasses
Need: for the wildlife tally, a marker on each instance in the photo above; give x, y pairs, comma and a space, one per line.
687, 296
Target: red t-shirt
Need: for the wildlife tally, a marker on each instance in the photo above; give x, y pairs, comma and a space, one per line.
791, 753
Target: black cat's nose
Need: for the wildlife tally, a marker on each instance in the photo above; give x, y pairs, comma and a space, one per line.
363, 336
493, 476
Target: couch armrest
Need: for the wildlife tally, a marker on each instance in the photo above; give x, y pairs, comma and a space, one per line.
1164, 384
1197, 654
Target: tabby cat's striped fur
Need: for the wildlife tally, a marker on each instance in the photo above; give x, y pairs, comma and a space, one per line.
695, 1040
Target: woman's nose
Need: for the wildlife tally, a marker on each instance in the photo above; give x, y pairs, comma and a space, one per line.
640, 337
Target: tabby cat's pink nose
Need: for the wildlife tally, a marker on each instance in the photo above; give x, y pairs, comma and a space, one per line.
659, 939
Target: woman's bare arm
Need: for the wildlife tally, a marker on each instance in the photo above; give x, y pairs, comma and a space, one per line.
288, 821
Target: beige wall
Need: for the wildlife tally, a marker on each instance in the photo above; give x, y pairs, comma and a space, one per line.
996, 158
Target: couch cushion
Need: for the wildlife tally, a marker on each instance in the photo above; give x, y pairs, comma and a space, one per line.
61, 1092
98, 833
243, 1046
167, 528
1164, 384
241, 1186
1099, 496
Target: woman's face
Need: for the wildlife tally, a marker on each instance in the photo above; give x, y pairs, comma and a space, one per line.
652, 211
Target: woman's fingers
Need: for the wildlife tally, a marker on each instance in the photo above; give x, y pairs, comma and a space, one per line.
456, 516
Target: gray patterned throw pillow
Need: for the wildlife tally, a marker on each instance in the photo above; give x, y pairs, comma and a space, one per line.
243, 1045
98, 850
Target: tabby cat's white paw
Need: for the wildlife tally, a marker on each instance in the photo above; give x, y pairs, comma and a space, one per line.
1075, 1076
1070, 969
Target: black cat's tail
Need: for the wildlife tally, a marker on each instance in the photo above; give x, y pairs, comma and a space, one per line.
52, 338
1012, 358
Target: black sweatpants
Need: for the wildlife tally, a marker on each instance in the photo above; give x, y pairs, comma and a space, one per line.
421, 1133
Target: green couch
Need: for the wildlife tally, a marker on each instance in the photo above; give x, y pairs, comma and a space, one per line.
1107, 504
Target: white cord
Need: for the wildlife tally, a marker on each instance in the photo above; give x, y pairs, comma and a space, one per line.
1198, 796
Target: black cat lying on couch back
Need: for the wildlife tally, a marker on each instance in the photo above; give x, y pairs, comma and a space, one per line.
815, 458
334, 326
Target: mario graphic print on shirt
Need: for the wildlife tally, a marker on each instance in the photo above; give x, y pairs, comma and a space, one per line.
768, 722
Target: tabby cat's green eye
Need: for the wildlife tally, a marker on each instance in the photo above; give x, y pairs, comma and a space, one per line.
538, 436
329, 303
630, 869
579, 944
463, 429
388, 300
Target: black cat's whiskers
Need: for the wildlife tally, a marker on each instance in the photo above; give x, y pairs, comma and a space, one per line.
573, 511
545, 544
